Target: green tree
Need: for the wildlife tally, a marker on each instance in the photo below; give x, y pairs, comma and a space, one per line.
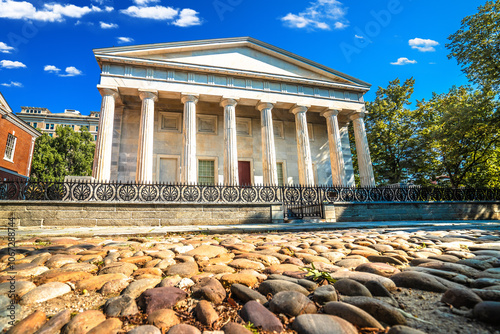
476, 45
397, 152
70, 153
463, 131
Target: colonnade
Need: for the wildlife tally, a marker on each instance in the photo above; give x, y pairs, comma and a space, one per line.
144, 171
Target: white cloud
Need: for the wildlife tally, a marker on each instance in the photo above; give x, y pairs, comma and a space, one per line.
404, 61
109, 9
51, 69
51, 12
4, 48
12, 84
423, 45
358, 37
188, 17
71, 71
144, 2
105, 25
11, 64
321, 14
155, 13
340, 25
125, 40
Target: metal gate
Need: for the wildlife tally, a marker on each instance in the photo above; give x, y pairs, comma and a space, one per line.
303, 202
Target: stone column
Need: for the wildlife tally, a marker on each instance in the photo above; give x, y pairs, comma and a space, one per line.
268, 148
144, 170
306, 176
346, 149
335, 145
231, 176
364, 161
102, 158
188, 162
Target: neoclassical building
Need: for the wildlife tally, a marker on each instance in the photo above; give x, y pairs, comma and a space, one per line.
227, 111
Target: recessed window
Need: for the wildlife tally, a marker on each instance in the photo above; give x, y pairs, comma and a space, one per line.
35, 125
10, 147
310, 131
207, 124
206, 171
279, 167
279, 129
244, 126
170, 122
47, 126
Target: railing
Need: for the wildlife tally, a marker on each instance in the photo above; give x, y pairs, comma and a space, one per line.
183, 193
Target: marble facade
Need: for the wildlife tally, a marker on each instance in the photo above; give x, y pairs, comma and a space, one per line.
243, 105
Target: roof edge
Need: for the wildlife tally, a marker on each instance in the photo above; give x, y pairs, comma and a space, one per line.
113, 50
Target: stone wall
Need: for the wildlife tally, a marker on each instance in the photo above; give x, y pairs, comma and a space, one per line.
64, 214
415, 211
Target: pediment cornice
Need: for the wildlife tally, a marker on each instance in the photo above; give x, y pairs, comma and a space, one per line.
145, 54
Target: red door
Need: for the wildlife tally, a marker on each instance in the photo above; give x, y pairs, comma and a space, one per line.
244, 173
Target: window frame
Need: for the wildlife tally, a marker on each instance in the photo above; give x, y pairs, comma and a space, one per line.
12, 149
216, 170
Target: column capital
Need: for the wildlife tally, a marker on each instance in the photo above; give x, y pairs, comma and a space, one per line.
189, 98
148, 94
264, 105
108, 90
297, 109
228, 102
330, 112
357, 115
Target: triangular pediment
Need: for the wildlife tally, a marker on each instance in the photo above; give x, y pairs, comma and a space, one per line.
238, 54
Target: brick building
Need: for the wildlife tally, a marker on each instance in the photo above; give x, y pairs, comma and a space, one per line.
47, 122
17, 141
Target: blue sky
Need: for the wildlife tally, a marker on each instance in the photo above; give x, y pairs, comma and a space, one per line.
46, 57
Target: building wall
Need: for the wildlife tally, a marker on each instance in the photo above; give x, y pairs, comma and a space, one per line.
211, 146
22, 150
40, 122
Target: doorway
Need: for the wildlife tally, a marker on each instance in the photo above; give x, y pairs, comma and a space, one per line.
245, 176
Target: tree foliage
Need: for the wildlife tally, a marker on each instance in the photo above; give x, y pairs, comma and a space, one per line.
462, 130
476, 45
398, 154
70, 153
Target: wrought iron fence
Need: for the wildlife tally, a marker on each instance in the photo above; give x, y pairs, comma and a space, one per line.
183, 193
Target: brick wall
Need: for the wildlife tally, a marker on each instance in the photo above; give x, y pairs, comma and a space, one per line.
22, 151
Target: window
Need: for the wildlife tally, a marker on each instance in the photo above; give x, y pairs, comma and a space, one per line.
35, 125
47, 126
207, 124
97, 128
278, 128
244, 126
206, 171
170, 122
95, 137
50, 134
10, 147
310, 131
279, 167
